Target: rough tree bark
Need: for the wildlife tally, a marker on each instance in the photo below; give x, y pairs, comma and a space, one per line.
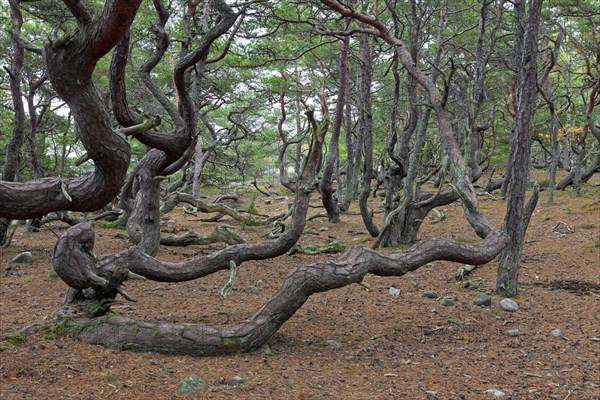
546, 91
458, 171
283, 177
220, 234
366, 128
329, 200
70, 61
110, 271
575, 177
517, 215
405, 214
201, 340
13, 148
176, 198
171, 150
154, 269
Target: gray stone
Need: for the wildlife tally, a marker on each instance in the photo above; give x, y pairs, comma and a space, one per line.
483, 300
267, 349
447, 301
496, 392
365, 284
192, 384
514, 332
394, 291
237, 380
23, 258
509, 305
431, 294
557, 333
332, 343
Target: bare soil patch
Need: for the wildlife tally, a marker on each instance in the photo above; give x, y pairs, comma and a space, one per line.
351, 343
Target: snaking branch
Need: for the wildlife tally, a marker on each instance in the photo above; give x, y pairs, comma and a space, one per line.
177, 198
202, 340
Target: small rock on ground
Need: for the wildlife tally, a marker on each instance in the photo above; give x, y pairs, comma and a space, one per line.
496, 392
509, 305
447, 301
557, 333
394, 291
483, 300
192, 384
431, 294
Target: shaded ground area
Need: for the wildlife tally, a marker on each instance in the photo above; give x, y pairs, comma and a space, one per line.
352, 343
580, 287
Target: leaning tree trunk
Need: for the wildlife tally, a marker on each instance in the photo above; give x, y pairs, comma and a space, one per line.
135, 258
517, 215
329, 200
109, 272
172, 150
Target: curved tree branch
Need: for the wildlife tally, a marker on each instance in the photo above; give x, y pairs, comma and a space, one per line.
202, 340
79, 10
70, 64
117, 88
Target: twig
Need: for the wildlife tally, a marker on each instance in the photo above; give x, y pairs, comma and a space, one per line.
74, 369
532, 375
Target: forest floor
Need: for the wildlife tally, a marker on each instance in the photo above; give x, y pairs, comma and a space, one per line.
350, 343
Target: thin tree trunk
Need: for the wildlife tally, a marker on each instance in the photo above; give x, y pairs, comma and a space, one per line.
366, 127
353, 159
329, 200
13, 148
517, 215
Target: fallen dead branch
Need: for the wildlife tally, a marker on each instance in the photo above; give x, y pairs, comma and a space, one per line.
221, 234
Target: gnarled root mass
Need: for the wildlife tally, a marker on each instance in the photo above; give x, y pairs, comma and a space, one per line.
194, 339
